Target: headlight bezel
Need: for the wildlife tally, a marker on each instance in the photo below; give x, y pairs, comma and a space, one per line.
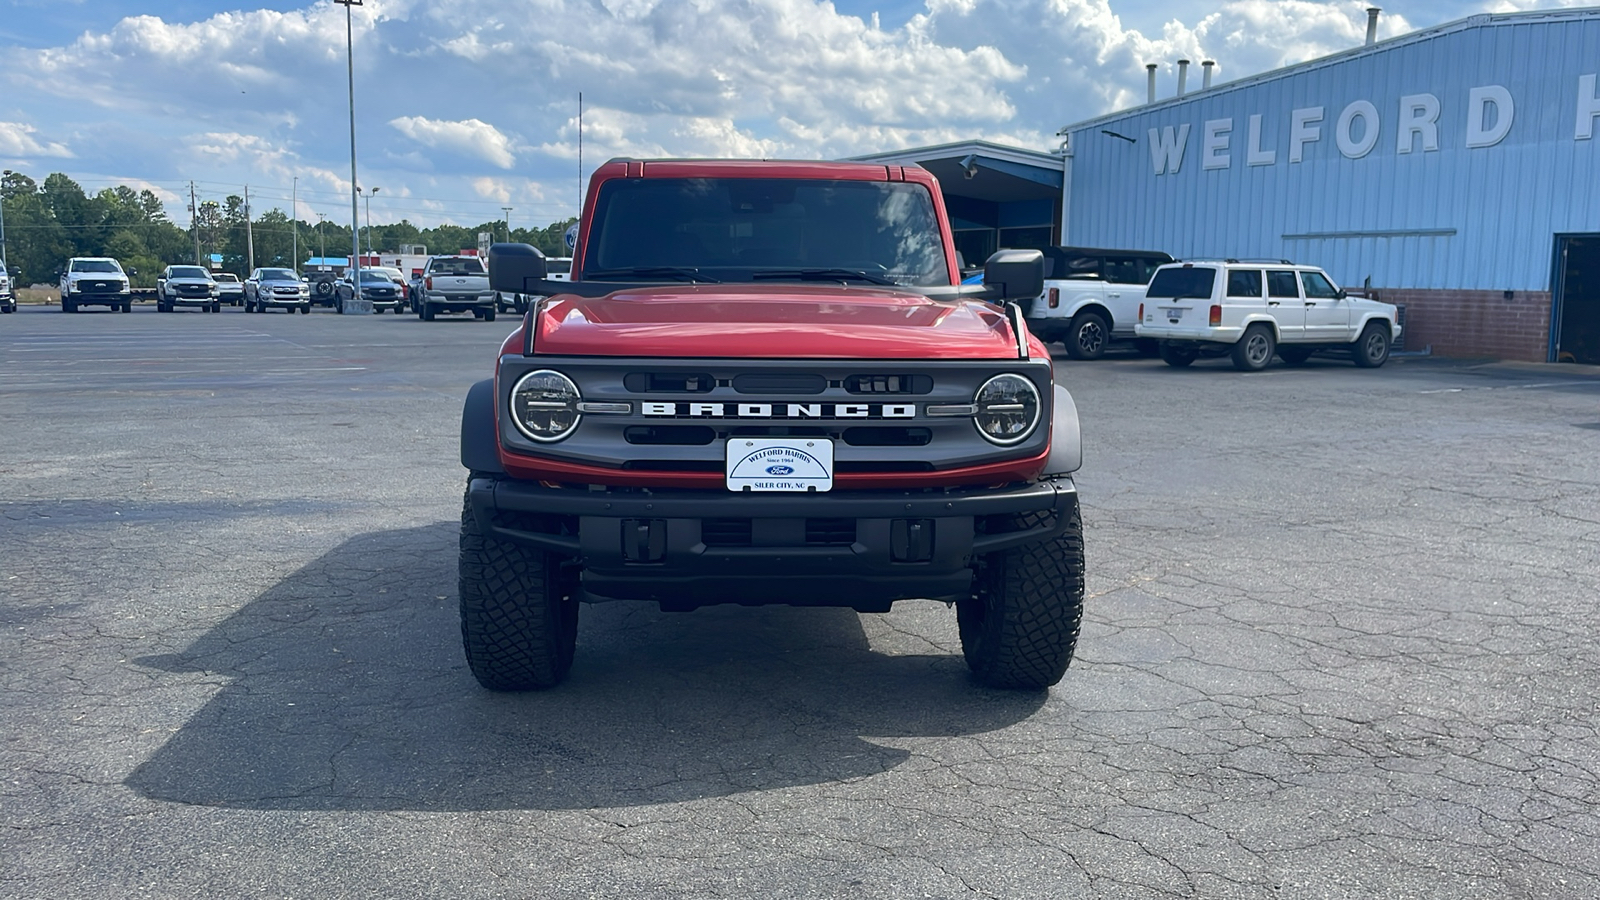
1031, 394
576, 397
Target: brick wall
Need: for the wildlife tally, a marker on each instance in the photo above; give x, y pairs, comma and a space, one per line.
1476, 323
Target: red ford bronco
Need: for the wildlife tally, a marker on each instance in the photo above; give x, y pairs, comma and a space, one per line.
764, 383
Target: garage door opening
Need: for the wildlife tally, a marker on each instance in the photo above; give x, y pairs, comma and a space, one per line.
1576, 335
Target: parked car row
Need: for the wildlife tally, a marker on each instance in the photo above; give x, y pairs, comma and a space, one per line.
1184, 310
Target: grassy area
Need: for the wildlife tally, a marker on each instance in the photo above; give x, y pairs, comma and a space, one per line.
38, 295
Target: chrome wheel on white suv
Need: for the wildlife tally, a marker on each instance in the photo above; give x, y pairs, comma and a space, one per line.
1372, 348
1255, 349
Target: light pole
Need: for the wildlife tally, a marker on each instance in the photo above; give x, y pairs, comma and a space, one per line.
4, 266
322, 237
358, 304
508, 222
369, 218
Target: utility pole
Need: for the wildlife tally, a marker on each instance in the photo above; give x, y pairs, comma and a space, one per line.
194, 223
249, 233
359, 304
322, 236
294, 223
508, 222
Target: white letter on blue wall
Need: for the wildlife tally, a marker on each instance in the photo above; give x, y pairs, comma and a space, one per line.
1419, 116
1588, 108
1477, 107
1216, 149
1344, 133
1303, 130
1166, 150
1258, 156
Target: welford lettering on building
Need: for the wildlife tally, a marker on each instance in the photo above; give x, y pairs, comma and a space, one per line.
1487, 115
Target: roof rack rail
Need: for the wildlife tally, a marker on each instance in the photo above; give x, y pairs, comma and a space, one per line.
1195, 259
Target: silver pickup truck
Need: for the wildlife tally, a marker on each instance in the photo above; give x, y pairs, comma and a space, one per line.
452, 284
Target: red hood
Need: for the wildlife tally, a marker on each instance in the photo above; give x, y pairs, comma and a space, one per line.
774, 321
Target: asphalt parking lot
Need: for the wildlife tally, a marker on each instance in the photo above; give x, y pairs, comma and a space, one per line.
1340, 642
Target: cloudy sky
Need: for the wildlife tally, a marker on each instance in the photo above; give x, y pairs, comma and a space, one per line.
467, 106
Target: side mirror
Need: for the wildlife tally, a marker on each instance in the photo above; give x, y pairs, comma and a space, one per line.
1014, 274
513, 266
1340, 295
132, 273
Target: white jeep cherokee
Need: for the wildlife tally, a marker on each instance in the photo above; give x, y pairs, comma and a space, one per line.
1249, 309
1091, 296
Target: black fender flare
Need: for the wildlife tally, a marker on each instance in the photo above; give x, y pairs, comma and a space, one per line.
480, 441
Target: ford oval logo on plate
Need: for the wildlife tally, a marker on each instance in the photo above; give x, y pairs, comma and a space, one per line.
780, 470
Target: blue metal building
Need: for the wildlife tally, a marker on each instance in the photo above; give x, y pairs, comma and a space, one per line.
1455, 170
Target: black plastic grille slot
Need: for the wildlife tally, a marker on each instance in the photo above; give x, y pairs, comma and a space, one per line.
830, 532
887, 436
889, 384
675, 465
780, 383
669, 382
725, 532
671, 435
874, 467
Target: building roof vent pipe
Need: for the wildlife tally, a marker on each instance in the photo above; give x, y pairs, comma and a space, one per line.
1150, 69
1207, 66
1183, 76
1372, 25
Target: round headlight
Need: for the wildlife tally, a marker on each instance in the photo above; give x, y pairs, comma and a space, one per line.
1008, 409
544, 404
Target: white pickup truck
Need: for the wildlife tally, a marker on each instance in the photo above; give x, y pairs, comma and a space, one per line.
1091, 297
8, 296
454, 284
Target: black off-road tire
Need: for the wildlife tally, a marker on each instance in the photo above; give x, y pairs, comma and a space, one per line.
1020, 626
519, 611
1087, 336
1294, 356
427, 312
1371, 350
1177, 356
1254, 350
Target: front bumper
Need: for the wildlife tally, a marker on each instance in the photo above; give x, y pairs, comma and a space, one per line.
691, 548
107, 298
271, 300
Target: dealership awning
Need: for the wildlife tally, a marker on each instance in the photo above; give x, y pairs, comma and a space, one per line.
997, 196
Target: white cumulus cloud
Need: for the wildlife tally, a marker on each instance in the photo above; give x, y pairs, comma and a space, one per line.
470, 137
17, 141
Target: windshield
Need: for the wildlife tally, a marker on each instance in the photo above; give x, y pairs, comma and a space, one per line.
375, 277
278, 275
465, 266
1182, 284
749, 229
95, 265
188, 272
226, 277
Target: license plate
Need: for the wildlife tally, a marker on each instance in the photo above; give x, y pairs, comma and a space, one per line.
794, 464
1173, 312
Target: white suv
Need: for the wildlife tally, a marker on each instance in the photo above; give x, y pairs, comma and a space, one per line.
1249, 309
1091, 297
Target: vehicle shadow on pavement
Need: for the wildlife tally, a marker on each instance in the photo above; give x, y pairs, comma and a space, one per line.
344, 688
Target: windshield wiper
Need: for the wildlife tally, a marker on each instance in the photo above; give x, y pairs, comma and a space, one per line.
682, 273
822, 275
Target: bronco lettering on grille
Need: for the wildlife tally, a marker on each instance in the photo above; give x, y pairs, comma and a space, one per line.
781, 410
